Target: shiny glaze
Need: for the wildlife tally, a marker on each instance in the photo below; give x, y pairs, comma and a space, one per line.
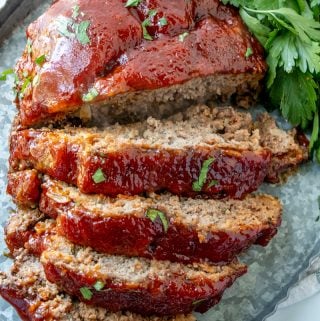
119, 60
138, 236
133, 171
24, 187
162, 298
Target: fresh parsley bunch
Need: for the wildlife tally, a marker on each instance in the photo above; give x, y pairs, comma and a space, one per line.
289, 30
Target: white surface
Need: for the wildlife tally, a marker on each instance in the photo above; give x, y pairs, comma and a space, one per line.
307, 310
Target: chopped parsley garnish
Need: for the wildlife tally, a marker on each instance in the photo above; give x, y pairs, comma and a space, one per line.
198, 185
132, 3
163, 21
24, 86
86, 293
40, 60
146, 23
198, 302
71, 29
81, 31
91, 95
183, 36
5, 73
213, 183
98, 176
29, 46
154, 214
249, 52
75, 12
99, 285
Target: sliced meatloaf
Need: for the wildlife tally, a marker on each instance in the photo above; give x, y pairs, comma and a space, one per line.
36, 299
24, 187
143, 286
210, 152
150, 59
163, 227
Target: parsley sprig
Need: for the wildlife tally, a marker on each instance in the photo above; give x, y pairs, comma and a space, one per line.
289, 30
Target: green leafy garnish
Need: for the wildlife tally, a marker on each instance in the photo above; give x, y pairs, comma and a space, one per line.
86, 293
81, 31
98, 176
289, 30
132, 3
71, 29
249, 52
146, 23
183, 36
163, 21
75, 12
99, 285
198, 185
40, 60
5, 73
213, 183
29, 46
153, 214
25, 85
91, 95
198, 302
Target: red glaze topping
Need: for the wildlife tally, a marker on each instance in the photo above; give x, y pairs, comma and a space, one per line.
134, 171
161, 298
138, 236
118, 59
24, 187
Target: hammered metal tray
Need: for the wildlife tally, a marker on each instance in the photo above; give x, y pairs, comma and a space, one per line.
272, 270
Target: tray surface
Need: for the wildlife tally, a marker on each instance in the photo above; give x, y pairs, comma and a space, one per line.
272, 270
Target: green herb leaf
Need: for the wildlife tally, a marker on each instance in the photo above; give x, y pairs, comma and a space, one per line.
146, 34
315, 131
24, 86
198, 302
91, 95
29, 46
198, 185
98, 176
99, 285
153, 214
5, 73
75, 12
163, 21
213, 183
249, 52
81, 31
64, 26
133, 3
40, 60
86, 293
152, 13
183, 36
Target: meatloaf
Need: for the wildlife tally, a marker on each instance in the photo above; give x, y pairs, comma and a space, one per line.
146, 287
36, 299
153, 58
163, 226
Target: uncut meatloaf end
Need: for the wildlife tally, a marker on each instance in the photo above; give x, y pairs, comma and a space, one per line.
199, 55
36, 299
163, 227
147, 287
151, 156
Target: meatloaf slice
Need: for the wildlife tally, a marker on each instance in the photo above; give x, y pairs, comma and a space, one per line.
211, 152
163, 227
24, 187
143, 286
35, 298
146, 60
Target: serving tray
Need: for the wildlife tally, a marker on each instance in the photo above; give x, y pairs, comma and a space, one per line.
272, 270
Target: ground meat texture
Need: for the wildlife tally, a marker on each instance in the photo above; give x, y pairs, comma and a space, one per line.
36, 299
152, 156
192, 230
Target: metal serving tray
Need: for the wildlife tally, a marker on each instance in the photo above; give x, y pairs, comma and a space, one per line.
272, 270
